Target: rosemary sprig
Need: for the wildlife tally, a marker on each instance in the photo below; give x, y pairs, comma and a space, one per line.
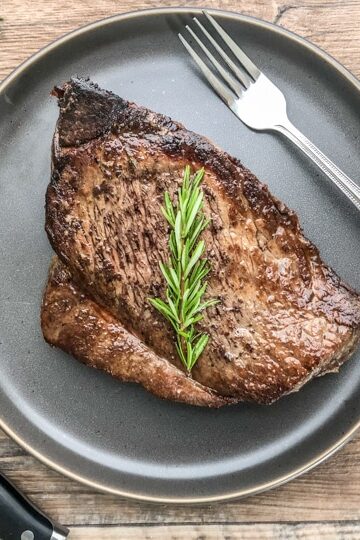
186, 270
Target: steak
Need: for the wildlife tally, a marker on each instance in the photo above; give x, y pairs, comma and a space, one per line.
77, 324
283, 318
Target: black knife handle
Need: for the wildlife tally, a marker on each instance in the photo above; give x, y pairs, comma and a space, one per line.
21, 520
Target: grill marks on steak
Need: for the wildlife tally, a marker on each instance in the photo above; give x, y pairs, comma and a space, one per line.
284, 316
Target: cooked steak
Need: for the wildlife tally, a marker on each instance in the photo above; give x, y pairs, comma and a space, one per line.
283, 316
74, 322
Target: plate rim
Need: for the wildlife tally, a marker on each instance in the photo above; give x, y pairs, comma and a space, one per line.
232, 15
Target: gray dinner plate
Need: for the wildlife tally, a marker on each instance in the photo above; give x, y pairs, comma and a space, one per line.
114, 436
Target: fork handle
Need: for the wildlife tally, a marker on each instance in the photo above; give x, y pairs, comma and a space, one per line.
340, 179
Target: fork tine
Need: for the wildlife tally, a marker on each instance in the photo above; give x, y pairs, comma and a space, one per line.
215, 82
240, 74
225, 75
239, 53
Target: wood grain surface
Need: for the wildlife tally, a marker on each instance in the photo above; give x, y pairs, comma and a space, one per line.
325, 503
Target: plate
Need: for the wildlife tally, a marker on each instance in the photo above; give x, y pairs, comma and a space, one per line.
114, 436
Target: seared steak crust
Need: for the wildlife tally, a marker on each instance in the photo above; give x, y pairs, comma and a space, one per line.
283, 315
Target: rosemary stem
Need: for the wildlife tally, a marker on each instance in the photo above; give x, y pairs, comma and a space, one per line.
182, 285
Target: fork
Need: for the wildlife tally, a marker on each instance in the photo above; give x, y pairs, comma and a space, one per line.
256, 100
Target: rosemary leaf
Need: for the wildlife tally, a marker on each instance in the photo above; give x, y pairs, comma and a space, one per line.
177, 230
199, 250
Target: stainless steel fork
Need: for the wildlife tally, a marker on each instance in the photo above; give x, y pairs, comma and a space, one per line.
257, 101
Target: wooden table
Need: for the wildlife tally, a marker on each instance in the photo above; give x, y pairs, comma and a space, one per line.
324, 504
